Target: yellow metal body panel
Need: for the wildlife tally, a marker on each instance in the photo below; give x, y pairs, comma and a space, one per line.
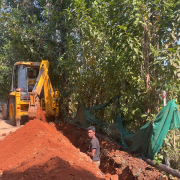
28, 63
57, 102
21, 106
12, 94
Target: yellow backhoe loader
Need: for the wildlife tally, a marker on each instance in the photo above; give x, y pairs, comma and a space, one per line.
31, 93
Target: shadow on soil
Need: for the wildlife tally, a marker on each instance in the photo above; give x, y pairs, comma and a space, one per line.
55, 168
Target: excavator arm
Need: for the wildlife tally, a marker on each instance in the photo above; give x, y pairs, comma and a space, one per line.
51, 98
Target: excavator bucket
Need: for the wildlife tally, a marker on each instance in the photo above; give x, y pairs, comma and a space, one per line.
37, 113
34, 110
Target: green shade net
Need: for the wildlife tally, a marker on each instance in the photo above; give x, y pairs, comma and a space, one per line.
85, 117
167, 119
148, 139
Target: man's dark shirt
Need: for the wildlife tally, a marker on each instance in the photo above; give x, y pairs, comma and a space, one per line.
94, 144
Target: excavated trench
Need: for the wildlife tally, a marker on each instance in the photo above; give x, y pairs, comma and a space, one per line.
113, 161
79, 139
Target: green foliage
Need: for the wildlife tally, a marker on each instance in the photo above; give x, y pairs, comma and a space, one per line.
158, 159
171, 146
97, 49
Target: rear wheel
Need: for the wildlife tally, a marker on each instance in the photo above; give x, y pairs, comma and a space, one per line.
12, 111
5, 111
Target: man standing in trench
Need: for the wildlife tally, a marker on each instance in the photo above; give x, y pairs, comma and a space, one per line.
94, 149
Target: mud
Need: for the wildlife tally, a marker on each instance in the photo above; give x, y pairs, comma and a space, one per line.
39, 150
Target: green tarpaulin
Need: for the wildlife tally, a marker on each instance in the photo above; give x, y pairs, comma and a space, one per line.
148, 139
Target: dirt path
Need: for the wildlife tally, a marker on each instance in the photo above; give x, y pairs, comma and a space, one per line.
5, 128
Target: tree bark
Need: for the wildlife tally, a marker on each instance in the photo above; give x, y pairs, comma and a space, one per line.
146, 64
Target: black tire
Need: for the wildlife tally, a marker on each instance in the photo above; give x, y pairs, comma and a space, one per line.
12, 111
5, 111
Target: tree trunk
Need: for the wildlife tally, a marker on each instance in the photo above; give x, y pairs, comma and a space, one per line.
146, 64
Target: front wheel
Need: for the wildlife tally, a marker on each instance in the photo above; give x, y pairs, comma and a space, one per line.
12, 111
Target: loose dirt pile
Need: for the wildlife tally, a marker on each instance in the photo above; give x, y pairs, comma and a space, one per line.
38, 151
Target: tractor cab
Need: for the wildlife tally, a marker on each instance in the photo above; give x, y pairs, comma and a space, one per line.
24, 78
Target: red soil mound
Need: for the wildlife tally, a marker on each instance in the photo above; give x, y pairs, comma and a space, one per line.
38, 151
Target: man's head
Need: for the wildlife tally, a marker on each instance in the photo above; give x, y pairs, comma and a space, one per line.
91, 132
31, 73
